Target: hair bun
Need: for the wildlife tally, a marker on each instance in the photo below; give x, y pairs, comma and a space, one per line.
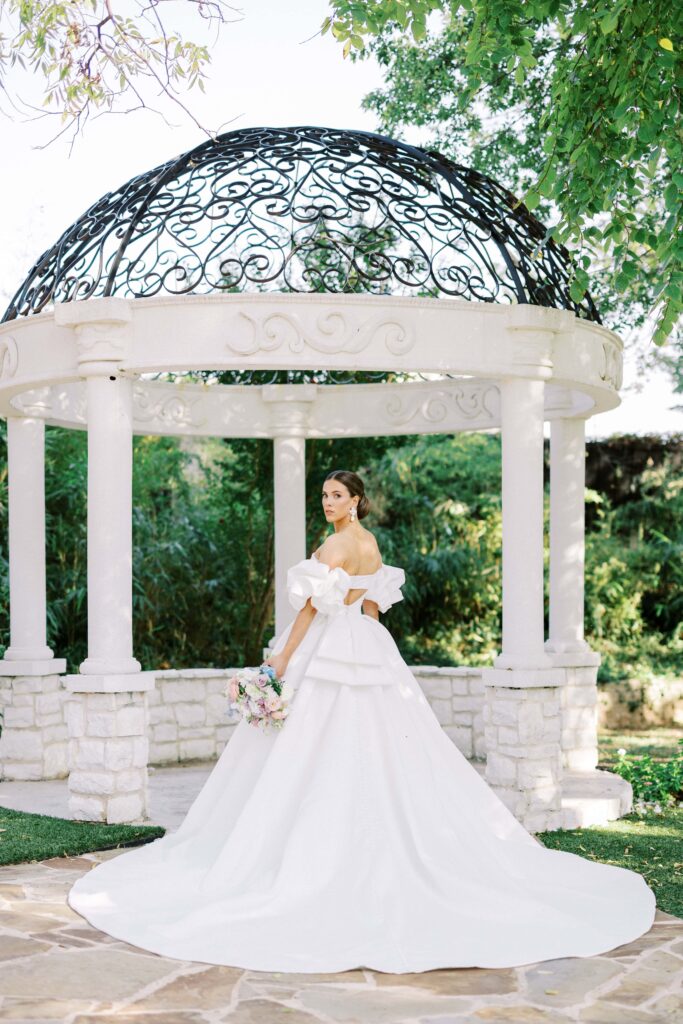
363, 507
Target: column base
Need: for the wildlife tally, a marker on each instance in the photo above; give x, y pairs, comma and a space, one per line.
109, 666
119, 682
523, 677
38, 667
574, 658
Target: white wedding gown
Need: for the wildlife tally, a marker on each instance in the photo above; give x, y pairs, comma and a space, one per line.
357, 835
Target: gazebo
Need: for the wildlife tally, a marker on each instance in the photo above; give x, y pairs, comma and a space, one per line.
353, 285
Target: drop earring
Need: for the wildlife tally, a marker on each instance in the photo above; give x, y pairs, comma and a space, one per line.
352, 513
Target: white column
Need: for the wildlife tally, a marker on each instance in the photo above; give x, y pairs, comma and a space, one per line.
567, 535
289, 481
28, 653
290, 406
521, 401
110, 539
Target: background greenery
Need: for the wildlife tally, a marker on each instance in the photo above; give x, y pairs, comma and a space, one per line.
203, 553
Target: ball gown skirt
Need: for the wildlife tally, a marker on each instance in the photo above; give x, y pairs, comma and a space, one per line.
357, 835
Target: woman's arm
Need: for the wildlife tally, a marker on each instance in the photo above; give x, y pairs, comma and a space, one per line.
298, 631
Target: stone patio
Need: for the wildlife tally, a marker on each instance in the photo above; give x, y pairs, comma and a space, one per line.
54, 967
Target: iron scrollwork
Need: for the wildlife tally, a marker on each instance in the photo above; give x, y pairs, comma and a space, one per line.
306, 209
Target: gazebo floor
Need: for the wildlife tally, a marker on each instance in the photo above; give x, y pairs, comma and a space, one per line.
54, 967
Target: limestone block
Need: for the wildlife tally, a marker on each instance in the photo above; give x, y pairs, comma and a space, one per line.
480, 746
491, 735
476, 685
198, 732
507, 735
75, 717
19, 717
163, 753
442, 709
154, 697
21, 771
165, 731
468, 703
530, 721
535, 774
55, 761
190, 714
224, 732
102, 723
30, 684
22, 745
131, 721
140, 752
18, 700
580, 717
581, 760
118, 753
500, 770
131, 780
161, 713
435, 686
542, 798
92, 782
48, 703
87, 808
216, 707
514, 800
460, 686
462, 737
100, 702
197, 749
174, 690
462, 718
55, 718
578, 737
217, 685
89, 753
125, 807
532, 750
55, 733
584, 696
504, 713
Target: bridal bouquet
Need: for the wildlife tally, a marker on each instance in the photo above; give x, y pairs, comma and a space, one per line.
260, 697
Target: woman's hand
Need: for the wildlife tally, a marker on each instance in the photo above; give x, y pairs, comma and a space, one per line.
278, 662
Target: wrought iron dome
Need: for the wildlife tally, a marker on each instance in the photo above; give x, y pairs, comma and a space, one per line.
305, 209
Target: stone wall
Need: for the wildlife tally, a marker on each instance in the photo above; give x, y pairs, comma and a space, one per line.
187, 719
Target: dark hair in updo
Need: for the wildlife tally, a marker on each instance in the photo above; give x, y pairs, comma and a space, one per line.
355, 486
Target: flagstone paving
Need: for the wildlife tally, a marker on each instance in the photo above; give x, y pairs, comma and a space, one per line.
54, 967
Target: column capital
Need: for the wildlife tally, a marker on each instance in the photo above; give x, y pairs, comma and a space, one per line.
103, 332
532, 332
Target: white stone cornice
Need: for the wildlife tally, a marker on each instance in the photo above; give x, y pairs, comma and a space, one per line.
328, 332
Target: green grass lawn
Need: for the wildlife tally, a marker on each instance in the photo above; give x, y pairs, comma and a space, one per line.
651, 844
29, 837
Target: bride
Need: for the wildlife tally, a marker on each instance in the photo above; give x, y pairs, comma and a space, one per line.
357, 835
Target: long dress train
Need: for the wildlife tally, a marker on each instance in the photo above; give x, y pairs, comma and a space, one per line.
357, 835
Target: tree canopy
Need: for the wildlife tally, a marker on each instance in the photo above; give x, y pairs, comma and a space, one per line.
574, 104
98, 55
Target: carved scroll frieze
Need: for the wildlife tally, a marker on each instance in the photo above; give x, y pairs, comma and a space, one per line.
167, 410
460, 403
9, 357
612, 364
328, 333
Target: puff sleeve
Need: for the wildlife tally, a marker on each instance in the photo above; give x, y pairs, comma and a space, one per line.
386, 588
326, 587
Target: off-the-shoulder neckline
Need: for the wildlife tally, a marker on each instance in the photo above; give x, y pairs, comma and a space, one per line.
352, 576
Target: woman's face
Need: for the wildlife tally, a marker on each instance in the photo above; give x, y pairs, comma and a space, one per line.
337, 500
